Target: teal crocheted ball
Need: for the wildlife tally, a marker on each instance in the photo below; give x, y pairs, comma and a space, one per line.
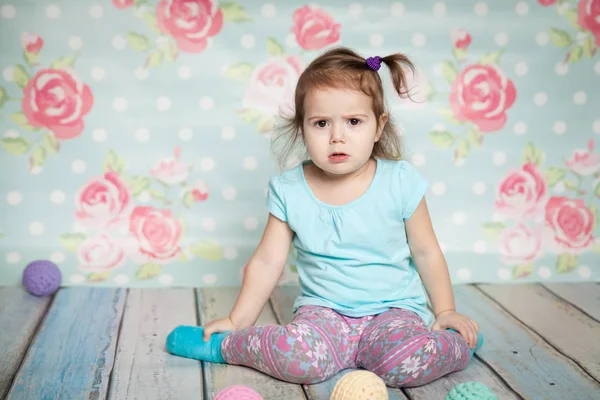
471, 391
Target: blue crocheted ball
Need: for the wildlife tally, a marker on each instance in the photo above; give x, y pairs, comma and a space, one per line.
471, 391
42, 277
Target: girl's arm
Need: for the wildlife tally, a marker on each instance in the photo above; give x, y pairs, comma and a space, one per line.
262, 273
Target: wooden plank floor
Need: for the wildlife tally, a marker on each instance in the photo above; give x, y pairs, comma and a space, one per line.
542, 342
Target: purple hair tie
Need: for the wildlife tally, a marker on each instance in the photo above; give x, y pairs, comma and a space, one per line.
374, 63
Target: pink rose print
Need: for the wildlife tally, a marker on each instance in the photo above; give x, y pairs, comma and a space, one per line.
189, 22
570, 223
170, 171
58, 100
588, 17
520, 244
482, 94
32, 42
156, 231
314, 28
461, 39
199, 191
103, 202
546, 3
100, 254
122, 4
584, 161
521, 193
273, 84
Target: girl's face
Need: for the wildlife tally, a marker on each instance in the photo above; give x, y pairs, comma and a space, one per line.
340, 129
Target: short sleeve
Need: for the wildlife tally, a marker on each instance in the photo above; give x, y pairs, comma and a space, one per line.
413, 187
275, 199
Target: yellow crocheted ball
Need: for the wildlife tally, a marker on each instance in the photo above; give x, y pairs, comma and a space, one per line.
360, 385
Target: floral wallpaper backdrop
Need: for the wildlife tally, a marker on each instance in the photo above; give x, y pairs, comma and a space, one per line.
134, 133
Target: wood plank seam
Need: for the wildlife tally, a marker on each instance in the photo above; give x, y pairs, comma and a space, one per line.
500, 377
564, 300
539, 335
118, 338
204, 372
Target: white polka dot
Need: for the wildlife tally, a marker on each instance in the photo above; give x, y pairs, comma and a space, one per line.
540, 98
520, 128
141, 73
57, 257
459, 218
8, 74
376, 40
99, 135
559, 127
438, 70
228, 133
501, 38
560, 188
480, 247
207, 164
542, 38
12, 133
419, 40
165, 279
98, 73
36, 228
439, 9
120, 104
76, 279
418, 159
561, 68
230, 253
229, 193
479, 188
580, 98
75, 43
119, 42
13, 257
206, 103
355, 10
504, 274
209, 224
544, 272
121, 279
268, 10
596, 126
597, 68
36, 170
443, 246
186, 134
209, 279
251, 223
438, 188
464, 274
481, 8
14, 198
8, 11
522, 8
145, 197
499, 158
521, 68
52, 11
290, 41
397, 9
248, 41
78, 166
142, 135
96, 11
184, 72
250, 163
163, 103
58, 197
584, 271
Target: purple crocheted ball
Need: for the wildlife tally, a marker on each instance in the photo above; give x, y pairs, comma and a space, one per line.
41, 277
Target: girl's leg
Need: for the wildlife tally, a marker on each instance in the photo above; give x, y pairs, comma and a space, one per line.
399, 348
310, 349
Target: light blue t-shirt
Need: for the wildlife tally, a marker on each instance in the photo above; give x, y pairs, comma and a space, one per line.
354, 258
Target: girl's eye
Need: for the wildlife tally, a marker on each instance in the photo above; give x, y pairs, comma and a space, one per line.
321, 124
354, 121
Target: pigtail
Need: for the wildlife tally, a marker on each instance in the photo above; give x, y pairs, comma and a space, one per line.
398, 65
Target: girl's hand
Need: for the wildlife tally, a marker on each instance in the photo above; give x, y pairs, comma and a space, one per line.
461, 323
219, 325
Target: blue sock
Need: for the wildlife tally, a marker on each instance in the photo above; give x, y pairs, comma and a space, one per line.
479, 341
188, 341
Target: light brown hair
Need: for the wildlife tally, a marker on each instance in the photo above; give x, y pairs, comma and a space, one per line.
343, 68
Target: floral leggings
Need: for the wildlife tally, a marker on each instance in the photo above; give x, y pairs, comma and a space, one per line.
319, 343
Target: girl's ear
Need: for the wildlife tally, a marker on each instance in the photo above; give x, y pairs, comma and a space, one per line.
383, 118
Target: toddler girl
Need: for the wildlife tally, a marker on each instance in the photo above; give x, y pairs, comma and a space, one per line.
367, 255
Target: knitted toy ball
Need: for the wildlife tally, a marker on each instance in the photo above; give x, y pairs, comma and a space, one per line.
471, 391
41, 277
360, 385
238, 392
